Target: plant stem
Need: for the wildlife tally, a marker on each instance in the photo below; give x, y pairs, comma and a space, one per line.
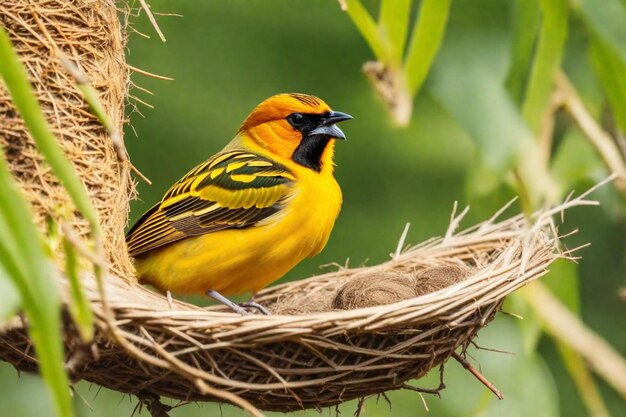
604, 144
566, 327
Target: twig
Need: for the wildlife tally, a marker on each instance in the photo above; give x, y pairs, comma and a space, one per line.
424, 402
602, 141
387, 400
434, 391
154, 406
168, 295
478, 375
140, 174
455, 220
581, 200
148, 74
478, 347
359, 407
82, 398
153, 21
229, 396
138, 100
508, 313
401, 241
168, 14
131, 27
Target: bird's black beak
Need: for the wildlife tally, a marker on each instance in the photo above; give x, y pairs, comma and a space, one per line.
327, 125
336, 117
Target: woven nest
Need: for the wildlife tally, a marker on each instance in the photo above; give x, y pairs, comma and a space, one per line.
311, 359
342, 335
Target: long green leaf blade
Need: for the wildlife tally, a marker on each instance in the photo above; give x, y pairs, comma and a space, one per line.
611, 72
31, 272
425, 42
366, 26
482, 107
606, 18
25, 101
28, 266
547, 61
394, 26
526, 25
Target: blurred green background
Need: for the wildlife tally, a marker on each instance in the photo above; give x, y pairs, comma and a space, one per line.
228, 56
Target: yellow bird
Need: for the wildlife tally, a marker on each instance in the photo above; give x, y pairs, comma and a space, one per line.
250, 213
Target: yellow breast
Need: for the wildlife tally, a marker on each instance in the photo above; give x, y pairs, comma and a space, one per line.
241, 260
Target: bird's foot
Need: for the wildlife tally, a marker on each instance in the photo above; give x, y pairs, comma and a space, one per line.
237, 308
259, 307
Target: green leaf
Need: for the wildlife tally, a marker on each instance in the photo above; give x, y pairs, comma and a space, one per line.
485, 189
611, 72
425, 42
547, 61
607, 19
468, 81
367, 27
471, 90
394, 26
575, 160
563, 281
22, 254
526, 25
23, 258
529, 325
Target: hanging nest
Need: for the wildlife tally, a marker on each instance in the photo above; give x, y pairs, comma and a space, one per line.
87, 33
342, 335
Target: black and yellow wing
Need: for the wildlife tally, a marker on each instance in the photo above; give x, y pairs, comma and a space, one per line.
233, 189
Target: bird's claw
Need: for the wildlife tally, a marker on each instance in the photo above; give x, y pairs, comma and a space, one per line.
259, 307
238, 308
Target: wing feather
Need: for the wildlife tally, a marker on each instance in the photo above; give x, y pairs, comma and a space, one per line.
233, 189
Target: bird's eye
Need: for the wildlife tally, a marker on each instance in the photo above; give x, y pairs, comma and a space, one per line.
296, 119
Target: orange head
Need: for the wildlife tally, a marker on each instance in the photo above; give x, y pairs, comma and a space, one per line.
297, 127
